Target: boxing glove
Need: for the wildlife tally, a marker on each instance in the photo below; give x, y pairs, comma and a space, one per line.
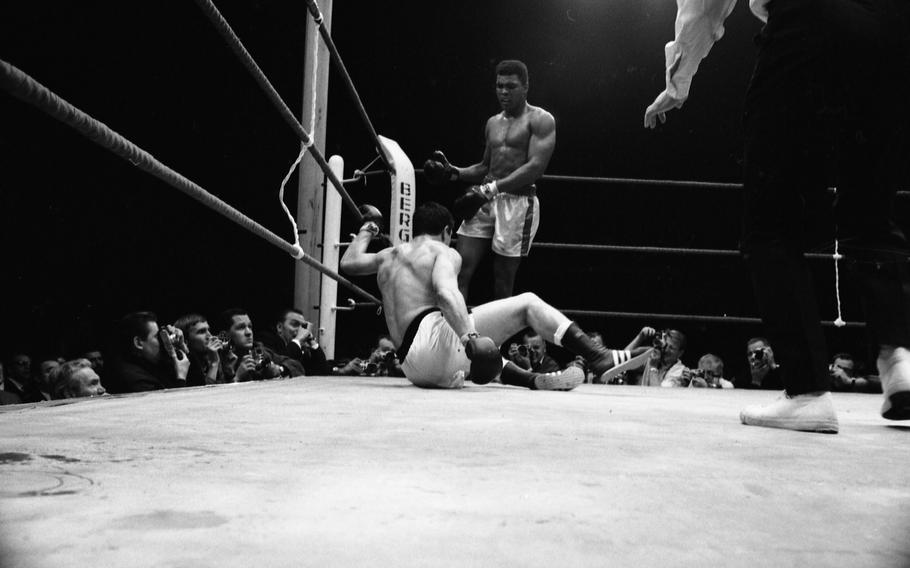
371, 214
466, 206
486, 362
437, 169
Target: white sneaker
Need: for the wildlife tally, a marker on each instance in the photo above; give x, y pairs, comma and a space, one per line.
894, 371
811, 412
564, 380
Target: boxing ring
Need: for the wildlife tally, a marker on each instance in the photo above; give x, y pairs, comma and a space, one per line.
353, 471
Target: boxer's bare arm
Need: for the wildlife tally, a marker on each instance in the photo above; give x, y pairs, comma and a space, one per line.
541, 144
356, 260
448, 297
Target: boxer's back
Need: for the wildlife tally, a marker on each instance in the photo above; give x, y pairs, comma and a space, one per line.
405, 278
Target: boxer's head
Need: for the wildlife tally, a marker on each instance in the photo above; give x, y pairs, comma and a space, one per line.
511, 85
433, 219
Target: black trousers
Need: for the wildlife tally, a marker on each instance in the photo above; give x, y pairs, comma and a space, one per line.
827, 104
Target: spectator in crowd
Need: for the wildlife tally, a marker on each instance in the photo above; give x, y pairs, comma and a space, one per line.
846, 378
6, 397
664, 367
204, 351
382, 362
75, 379
531, 355
95, 357
43, 378
249, 359
764, 372
293, 337
143, 362
710, 373
19, 379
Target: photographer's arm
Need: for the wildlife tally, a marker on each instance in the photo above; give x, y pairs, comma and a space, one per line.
644, 337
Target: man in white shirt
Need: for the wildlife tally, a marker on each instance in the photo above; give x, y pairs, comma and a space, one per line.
822, 100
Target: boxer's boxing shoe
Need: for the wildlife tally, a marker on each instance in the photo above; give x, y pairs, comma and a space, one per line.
612, 362
894, 371
564, 380
812, 412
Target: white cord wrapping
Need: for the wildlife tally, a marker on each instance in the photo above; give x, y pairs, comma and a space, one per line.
839, 322
303, 152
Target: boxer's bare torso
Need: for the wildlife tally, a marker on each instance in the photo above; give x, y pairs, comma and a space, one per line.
405, 275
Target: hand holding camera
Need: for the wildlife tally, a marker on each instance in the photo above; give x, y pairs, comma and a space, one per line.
520, 355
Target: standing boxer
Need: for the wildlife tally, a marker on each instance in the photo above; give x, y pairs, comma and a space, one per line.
519, 143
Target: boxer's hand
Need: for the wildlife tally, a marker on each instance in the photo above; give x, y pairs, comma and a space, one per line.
487, 190
486, 362
658, 109
466, 206
371, 215
437, 169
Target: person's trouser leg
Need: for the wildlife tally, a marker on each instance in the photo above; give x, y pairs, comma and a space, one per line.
784, 176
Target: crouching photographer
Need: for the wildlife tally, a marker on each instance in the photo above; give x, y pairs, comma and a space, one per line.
531, 354
764, 372
243, 359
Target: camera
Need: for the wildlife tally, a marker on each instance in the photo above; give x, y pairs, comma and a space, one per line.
699, 373
661, 340
523, 350
757, 356
225, 339
259, 357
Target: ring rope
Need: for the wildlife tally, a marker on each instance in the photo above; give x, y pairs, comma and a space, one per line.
663, 250
659, 316
250, 64
655, 182
336, 58
25, 88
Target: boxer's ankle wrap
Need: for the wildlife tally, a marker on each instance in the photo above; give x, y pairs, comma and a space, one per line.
468, 337
560, 332
370, 226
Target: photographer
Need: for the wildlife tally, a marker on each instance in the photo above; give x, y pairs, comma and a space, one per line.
382, 362
149, 358
204, 351
247, 360
663, 369
843, 376
764, 372
709, 374
531, 355
292, 337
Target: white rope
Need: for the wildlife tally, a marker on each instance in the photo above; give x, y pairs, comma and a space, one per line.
303, 150
839, 322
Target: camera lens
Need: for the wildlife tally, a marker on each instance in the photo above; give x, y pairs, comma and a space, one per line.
523, 350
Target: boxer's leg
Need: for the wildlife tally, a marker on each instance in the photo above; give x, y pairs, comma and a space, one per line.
501, 319
505, 268
472, 251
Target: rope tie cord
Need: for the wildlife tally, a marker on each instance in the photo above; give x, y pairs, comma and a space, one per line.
839, 322
300, 155
23, 87
352, 90
250, 64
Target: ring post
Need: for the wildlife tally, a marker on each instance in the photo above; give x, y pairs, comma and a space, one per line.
328, 298
404, 191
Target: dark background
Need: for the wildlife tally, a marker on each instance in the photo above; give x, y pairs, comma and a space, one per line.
87, 237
